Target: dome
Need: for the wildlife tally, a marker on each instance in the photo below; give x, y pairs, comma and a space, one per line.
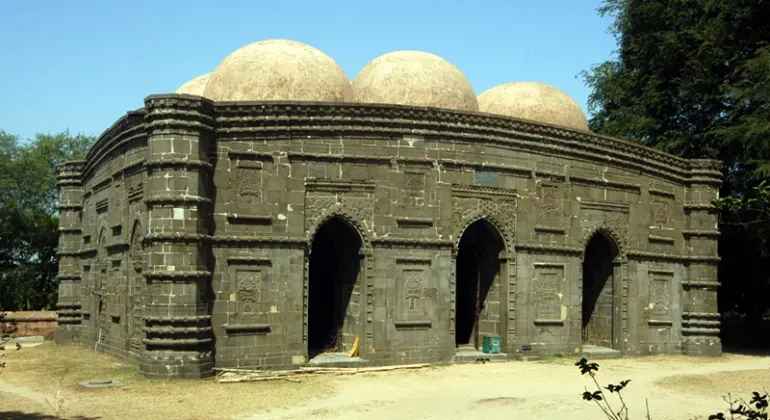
414, 78
534, 101
195, 86
278, 70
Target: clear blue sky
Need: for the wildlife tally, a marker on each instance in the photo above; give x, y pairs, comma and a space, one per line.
80, 65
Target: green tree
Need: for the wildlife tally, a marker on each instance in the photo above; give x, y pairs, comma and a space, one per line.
692, 77
29, 216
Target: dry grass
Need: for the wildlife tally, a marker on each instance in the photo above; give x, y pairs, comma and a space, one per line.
41, 368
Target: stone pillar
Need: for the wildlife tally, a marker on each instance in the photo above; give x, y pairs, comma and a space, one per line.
70, 218
700, 314
177, 318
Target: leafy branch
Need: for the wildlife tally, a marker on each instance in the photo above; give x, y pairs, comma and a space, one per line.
745, 210
598, 396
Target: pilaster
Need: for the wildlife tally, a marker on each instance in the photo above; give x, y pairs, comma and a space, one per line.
700, 314
177, 318
70, 217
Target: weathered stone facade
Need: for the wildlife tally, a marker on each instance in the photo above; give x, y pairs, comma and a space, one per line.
256, 235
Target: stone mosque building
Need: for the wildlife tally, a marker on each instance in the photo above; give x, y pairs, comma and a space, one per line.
272, 214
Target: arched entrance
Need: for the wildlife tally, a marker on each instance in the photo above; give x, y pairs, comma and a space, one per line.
334, 267
478, 297
599, 263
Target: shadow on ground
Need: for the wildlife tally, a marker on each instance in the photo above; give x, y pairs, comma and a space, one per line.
18, 415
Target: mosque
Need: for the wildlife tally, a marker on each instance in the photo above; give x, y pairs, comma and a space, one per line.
273, 214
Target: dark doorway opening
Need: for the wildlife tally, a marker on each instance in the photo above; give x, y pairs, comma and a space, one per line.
478, 264
334, 267
598, 291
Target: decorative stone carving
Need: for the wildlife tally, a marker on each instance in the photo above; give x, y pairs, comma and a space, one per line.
356, 211
615, 224
496, 205
249, 285
546, 290
504, 225
414, 184
249, 185
315, 205
550, 198
659, 214
659, 296
547, 298
413, 288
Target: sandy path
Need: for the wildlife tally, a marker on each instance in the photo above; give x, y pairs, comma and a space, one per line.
533, 390
677, 388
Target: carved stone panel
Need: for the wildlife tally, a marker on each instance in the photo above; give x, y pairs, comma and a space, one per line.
660, 296
249, 288
413, 284
551, 206
249, 185
414, 184
413, 193
659, 214
547, 291
550, 200
246, 186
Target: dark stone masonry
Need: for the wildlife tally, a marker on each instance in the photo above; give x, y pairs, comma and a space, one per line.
200, 234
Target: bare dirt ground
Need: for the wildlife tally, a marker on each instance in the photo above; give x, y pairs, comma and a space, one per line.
676, 387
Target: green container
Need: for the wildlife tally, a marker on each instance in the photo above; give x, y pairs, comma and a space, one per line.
492, 344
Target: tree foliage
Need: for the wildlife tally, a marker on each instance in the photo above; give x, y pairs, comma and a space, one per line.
692, 77
29, 216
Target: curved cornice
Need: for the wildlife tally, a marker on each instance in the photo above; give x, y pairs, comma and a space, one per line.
282, 120
128, 128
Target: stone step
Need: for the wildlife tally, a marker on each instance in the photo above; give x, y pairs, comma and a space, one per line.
528, 358
471, 355
335, 359
597, 353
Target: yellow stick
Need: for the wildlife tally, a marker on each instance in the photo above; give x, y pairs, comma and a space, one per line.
356, 344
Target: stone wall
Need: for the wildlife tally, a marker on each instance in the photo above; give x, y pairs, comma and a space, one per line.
30, 324
197, 223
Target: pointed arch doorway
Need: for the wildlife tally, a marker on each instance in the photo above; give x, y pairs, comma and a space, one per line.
334, 268
600, 272
478, 297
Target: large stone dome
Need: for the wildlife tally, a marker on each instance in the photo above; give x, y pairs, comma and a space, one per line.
414, 78
534, 101
195, 86
278, 70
